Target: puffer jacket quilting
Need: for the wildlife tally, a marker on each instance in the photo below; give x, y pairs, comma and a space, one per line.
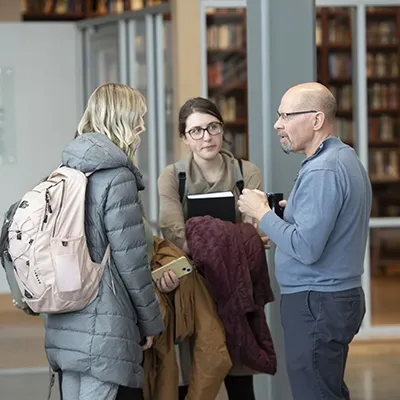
103, 339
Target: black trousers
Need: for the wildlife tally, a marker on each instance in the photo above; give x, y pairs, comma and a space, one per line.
237, 387
318, 328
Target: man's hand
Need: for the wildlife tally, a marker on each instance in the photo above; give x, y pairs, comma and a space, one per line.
253, 203
168, 282
148, 344
283, 203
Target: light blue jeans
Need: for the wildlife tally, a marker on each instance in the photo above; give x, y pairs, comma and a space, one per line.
76, 386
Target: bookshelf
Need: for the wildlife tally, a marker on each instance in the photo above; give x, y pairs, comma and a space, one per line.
74, 10
334, 55
227, 73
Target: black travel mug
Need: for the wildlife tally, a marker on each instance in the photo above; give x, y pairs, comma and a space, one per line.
273, 201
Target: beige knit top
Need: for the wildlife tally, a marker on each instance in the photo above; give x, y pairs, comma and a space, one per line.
173, 213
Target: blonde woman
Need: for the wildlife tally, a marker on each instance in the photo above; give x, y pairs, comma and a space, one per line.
99, 348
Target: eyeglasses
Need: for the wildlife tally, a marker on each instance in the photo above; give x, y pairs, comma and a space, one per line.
286, 116
197, 132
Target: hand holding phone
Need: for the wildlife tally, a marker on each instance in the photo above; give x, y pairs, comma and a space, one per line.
181, 267
168, 282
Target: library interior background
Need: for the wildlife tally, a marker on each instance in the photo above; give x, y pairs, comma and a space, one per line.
343, 61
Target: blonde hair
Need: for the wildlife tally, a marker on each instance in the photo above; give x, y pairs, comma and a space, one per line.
116, 111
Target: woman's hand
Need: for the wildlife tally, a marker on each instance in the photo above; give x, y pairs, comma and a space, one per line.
168, 282
265, 240
148, 343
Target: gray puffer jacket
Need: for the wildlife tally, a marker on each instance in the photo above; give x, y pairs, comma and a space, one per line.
103, 339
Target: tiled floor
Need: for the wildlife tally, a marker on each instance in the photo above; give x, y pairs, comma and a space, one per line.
373, 371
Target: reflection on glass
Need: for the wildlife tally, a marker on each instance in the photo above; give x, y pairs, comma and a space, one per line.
385, 276
140, 77
383, 109
8, 143
168, 84
104, 45
227, 73
334, 63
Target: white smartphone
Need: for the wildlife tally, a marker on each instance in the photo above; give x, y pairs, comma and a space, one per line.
181, 266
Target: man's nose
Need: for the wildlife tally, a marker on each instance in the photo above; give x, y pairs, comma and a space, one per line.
278, 124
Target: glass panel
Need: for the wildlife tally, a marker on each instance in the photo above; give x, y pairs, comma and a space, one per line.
104, 63
385, 276
8, 139
168, 87
140, 76
334, 63
227, 73
383, 50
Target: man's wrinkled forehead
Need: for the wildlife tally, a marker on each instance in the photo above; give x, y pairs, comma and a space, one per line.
290, 102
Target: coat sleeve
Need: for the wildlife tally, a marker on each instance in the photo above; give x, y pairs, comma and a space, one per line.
126, 235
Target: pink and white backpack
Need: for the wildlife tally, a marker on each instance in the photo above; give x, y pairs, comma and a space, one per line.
48, 249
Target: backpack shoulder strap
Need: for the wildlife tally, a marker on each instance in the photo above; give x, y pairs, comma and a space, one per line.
180, 169
239, 174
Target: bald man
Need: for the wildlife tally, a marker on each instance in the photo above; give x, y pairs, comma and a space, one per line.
320, 243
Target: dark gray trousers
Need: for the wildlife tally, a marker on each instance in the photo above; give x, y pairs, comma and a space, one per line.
318, 328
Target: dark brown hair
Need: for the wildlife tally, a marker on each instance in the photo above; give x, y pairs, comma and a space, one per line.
197, 104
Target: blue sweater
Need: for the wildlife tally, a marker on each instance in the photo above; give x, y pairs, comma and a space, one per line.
321, 241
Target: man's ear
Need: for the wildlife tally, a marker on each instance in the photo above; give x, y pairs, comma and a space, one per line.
319, 120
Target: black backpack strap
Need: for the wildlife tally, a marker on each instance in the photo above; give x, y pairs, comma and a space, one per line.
239, 175
181, 174
182, 184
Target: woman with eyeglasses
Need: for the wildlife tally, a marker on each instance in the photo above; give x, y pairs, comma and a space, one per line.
208, 168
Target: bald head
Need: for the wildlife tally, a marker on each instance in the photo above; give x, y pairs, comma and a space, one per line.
313, 96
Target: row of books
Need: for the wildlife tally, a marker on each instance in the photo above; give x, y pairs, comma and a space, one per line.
384, 130
226, 36
232, 108
237, 143
77, 6
383, 96
382, 32
344, 96
381, 65
344, 129
384, 165
339, 31
339, 65
53, 6
232, 71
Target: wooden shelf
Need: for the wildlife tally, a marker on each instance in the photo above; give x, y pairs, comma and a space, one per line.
35, 16
54, 11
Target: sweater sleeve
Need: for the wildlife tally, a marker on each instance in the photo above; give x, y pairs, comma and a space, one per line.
171, 218
126, 235
316, 205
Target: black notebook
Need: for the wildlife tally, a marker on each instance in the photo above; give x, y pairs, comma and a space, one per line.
218, 205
